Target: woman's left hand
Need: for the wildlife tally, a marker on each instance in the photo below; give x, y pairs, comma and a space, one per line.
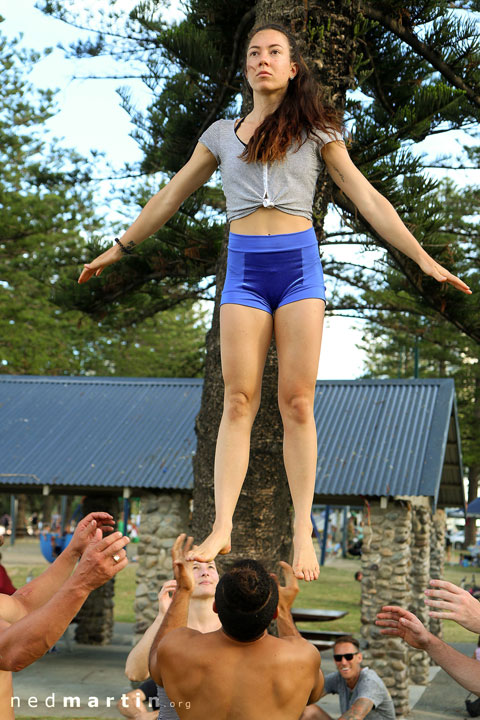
432, 268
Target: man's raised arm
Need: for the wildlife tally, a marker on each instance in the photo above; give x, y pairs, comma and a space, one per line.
29, 638
39, 590
177, 613
136, 666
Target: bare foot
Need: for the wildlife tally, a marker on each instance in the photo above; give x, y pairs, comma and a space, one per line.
305, 563
217, 543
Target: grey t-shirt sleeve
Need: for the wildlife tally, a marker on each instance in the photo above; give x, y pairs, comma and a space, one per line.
331, 683
323, 137
211, 139
369, 687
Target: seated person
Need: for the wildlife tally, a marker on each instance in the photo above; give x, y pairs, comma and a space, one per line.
450, 602
201, 617
362, 693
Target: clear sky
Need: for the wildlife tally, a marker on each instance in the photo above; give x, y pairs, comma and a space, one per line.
90, 117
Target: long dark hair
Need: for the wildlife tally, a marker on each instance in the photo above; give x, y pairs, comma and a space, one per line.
300, 113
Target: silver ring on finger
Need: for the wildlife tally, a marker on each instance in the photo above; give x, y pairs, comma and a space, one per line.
116, 558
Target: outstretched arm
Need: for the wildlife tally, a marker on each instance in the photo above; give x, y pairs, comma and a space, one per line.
136, 666
177, 613
39, 590
381, 215
158, 209
402, 623
24, 641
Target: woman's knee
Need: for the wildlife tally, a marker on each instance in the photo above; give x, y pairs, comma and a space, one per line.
240, 405
296, 407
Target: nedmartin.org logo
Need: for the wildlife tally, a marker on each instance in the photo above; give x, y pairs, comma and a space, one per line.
73, 701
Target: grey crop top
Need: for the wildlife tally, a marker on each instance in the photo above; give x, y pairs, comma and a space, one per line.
287, 185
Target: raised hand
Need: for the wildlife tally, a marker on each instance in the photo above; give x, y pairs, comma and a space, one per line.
183, 568
166, 594
288, 592
404, 624
86, 530
453, 603
101, 560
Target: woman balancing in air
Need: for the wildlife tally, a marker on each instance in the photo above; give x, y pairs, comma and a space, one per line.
269, 161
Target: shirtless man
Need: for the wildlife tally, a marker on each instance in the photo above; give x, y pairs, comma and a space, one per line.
37, 615
200, 617
239, 671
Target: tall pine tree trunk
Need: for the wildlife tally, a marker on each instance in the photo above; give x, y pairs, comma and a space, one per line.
262, 521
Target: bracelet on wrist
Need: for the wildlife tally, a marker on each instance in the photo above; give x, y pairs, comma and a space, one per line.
122, 247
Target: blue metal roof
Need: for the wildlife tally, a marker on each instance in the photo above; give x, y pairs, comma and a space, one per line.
389, 437
375, 437
98, 432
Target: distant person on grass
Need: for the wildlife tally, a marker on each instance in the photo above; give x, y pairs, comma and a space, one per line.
362, 693
37, 615
239, 671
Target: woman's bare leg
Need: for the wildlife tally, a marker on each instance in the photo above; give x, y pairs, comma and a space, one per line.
298, 334
245, 335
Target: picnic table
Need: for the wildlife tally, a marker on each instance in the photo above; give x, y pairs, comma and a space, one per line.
323, 640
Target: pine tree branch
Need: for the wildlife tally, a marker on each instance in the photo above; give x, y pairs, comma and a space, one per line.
64, 18
409, 37
450, 167
381, 95
119, 77
231, 71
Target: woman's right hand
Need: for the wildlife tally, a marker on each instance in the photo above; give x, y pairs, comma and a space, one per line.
96, 267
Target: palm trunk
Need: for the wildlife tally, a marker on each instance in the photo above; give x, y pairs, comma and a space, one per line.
262, 521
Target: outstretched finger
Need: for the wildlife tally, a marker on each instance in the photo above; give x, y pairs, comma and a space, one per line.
445, 605
444, 585
117, 546
108, 540
178, 544
459, 284
441, 615
391, 631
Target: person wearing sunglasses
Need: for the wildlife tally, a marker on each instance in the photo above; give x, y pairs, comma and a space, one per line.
362, 693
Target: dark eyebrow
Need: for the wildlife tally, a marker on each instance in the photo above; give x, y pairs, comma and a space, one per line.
252, 47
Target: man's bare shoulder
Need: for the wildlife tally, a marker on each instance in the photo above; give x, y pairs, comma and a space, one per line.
179, 637
298, 643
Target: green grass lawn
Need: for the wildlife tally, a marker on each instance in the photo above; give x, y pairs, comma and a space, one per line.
335, 590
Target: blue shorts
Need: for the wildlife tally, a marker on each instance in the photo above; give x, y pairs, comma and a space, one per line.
268, 271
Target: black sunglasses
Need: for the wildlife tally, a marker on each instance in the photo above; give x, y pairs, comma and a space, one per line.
347, 656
